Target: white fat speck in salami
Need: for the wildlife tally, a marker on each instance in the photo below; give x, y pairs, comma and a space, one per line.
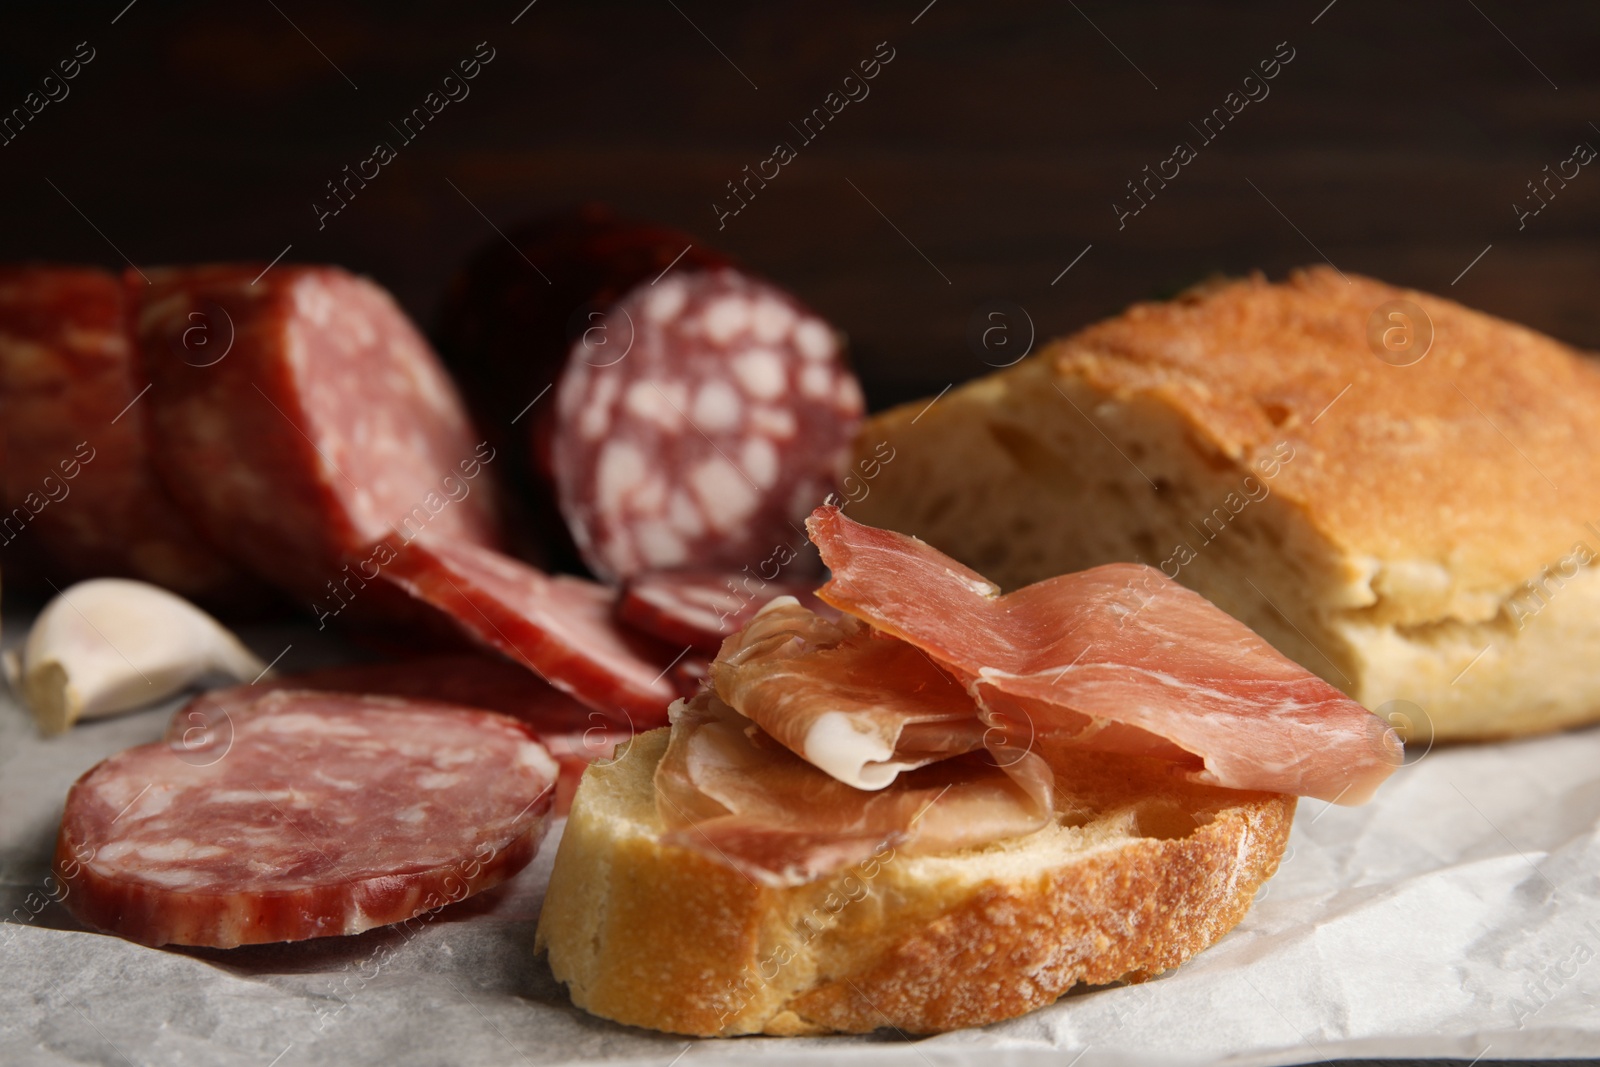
574, 398
595, 418
771, 320
684, 516
761, 403
717, 407
761, 372
814, 340
622, 468
816, 381
660, 546
667, 300
808, 496
649, 400
726, 318
760, 461
725, 492
315, 304
848, 394
260, 836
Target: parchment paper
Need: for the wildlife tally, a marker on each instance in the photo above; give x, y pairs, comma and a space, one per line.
1458, 915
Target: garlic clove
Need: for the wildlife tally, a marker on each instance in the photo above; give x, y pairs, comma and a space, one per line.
112, 644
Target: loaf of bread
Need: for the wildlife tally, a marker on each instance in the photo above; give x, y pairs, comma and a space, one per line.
1139, 871
1393, 489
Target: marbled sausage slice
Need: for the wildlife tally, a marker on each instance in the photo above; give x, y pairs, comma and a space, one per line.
560, 627
508, 322
315, 814
698, 425
574, 734
703, 608
298, 416
80, 492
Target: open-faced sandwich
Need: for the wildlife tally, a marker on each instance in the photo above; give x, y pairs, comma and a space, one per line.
946, 806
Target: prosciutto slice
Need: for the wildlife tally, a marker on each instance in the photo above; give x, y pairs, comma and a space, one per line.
1118, 657
823, 742
860, 707
728, 789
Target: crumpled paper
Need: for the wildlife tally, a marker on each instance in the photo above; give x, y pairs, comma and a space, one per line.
1456, 916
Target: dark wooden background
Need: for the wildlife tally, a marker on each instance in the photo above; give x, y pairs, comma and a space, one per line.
1396, 143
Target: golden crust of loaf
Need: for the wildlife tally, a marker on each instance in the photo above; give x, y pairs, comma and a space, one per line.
1141, 872
1477, 457
1396, 529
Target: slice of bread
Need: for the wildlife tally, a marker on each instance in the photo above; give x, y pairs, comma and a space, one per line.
1140, 871
1405, 505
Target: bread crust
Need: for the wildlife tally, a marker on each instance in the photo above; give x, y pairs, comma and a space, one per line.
1476, 457
1144, 872
1423, 536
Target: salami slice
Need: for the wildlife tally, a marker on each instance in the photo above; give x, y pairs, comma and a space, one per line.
320, 814
572, 733
510, 317
80, 494
699, 426
299, 417
696, 413
561, 627
702, 608
468, 680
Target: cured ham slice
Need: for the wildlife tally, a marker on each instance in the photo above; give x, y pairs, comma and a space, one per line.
701, 608
1117, 657
824, 743
559, 627
859, 707
320, 814
726, 788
